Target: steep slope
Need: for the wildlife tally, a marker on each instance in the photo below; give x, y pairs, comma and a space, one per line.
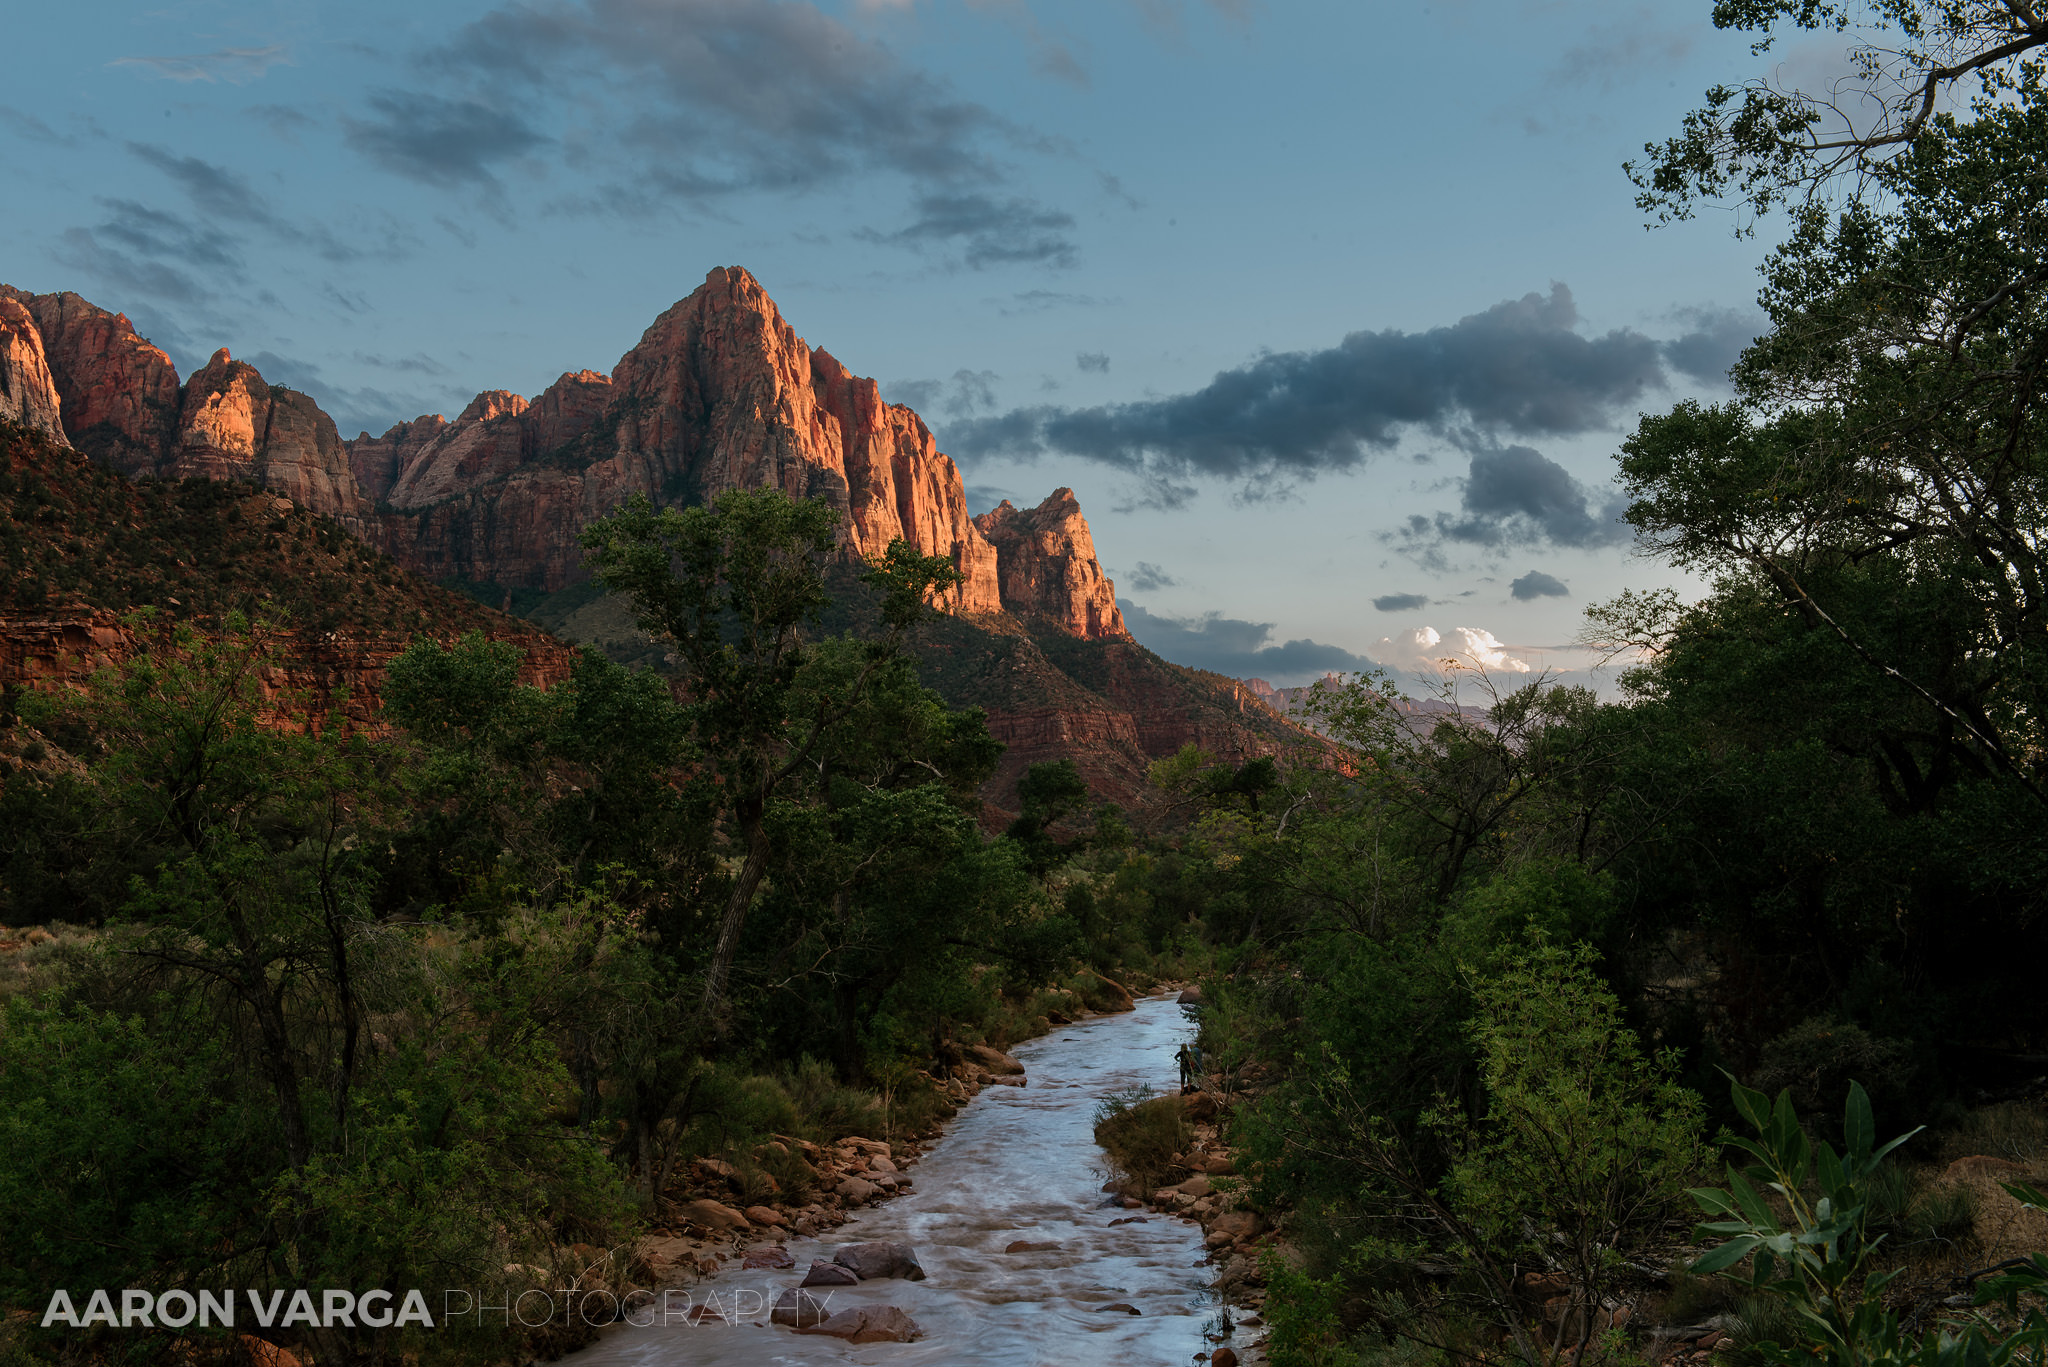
28, 394
83, 547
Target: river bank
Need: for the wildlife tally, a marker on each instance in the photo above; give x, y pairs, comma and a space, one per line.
1027, 1260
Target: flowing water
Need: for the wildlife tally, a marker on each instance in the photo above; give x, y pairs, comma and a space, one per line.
1016, 1164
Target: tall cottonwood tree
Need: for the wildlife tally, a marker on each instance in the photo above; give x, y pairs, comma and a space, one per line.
737, 588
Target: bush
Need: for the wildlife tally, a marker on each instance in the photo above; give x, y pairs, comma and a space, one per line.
1141, 1133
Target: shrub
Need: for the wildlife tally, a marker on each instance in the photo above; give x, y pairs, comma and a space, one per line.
1141, 1133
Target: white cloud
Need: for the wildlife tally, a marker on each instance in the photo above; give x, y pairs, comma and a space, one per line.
1426, 650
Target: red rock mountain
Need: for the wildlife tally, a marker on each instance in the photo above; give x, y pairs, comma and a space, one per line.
719, 393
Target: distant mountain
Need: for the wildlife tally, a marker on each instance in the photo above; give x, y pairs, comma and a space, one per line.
719, 393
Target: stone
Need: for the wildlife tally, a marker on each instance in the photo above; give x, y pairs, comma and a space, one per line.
713, 1216
1191, 997
995, 1060
1226, 1356
869, 1324
823, 1273
1026, 1246
263, 1353
1195, 1187
799, 1309
659, 1255
879, 1258
764, 1215
1238, 1224
771, 1255
1046, 566
1120, 1308
881, 1163
1130, 1220
857, 1190
119, 394
1201, 1106
28, 393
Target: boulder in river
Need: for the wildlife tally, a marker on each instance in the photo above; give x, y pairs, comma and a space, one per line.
869, 1324
823, 1273
872, 1261
1026, 1246
771, 1255
857, 1190
799, 1309
995, 1060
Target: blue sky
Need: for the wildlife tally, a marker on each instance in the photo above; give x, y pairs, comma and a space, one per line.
1331, 314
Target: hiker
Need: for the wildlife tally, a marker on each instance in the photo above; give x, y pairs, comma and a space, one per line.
1190, 1060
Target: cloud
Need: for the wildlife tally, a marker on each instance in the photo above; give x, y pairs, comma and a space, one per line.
987, 231
1624, 50
1517, 496
1038, 301
982, 497
366, 409
1519, 367
1095, 362
1149, 578
967, 393
1423, 650
1400, 602
437, 141
127, 274
646, 103
1537, 584
235, 65
1232, 646
1718, 337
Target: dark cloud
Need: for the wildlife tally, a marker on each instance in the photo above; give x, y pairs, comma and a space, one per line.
1718, 337
1232, 646
235, 65
1537, 584
1400, 602
29, 126
213, 190
1096, 362
127, 273
987, 231
1515, 496
651, 102
155, 233
435, 140
1519, 367
1148, 578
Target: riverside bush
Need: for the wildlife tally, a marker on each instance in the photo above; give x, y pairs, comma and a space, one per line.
1141, 1133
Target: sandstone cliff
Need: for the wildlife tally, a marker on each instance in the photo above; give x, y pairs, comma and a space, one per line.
1046, 567
119, 393
27, 393
720, 393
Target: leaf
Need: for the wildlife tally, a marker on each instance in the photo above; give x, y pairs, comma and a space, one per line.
1713, 1200
1859, 1127
1752, 1105
1727, 1255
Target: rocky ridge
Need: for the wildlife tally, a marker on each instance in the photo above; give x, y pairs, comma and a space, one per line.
720, 392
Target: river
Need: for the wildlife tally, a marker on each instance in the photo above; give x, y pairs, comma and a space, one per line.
1015, 1164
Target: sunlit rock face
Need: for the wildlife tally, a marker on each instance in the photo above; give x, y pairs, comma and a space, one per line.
1047, 568
119, 394
28, 395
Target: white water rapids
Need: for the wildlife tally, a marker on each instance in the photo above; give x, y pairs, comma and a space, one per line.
1016, 1164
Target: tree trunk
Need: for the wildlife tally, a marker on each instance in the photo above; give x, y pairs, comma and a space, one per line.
751, 815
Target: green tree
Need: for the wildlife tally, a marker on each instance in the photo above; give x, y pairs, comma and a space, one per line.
736, 587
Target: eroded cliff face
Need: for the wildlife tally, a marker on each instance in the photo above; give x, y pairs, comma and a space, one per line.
27, 393
119, 394
719, 393
308, 680
1047, 568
